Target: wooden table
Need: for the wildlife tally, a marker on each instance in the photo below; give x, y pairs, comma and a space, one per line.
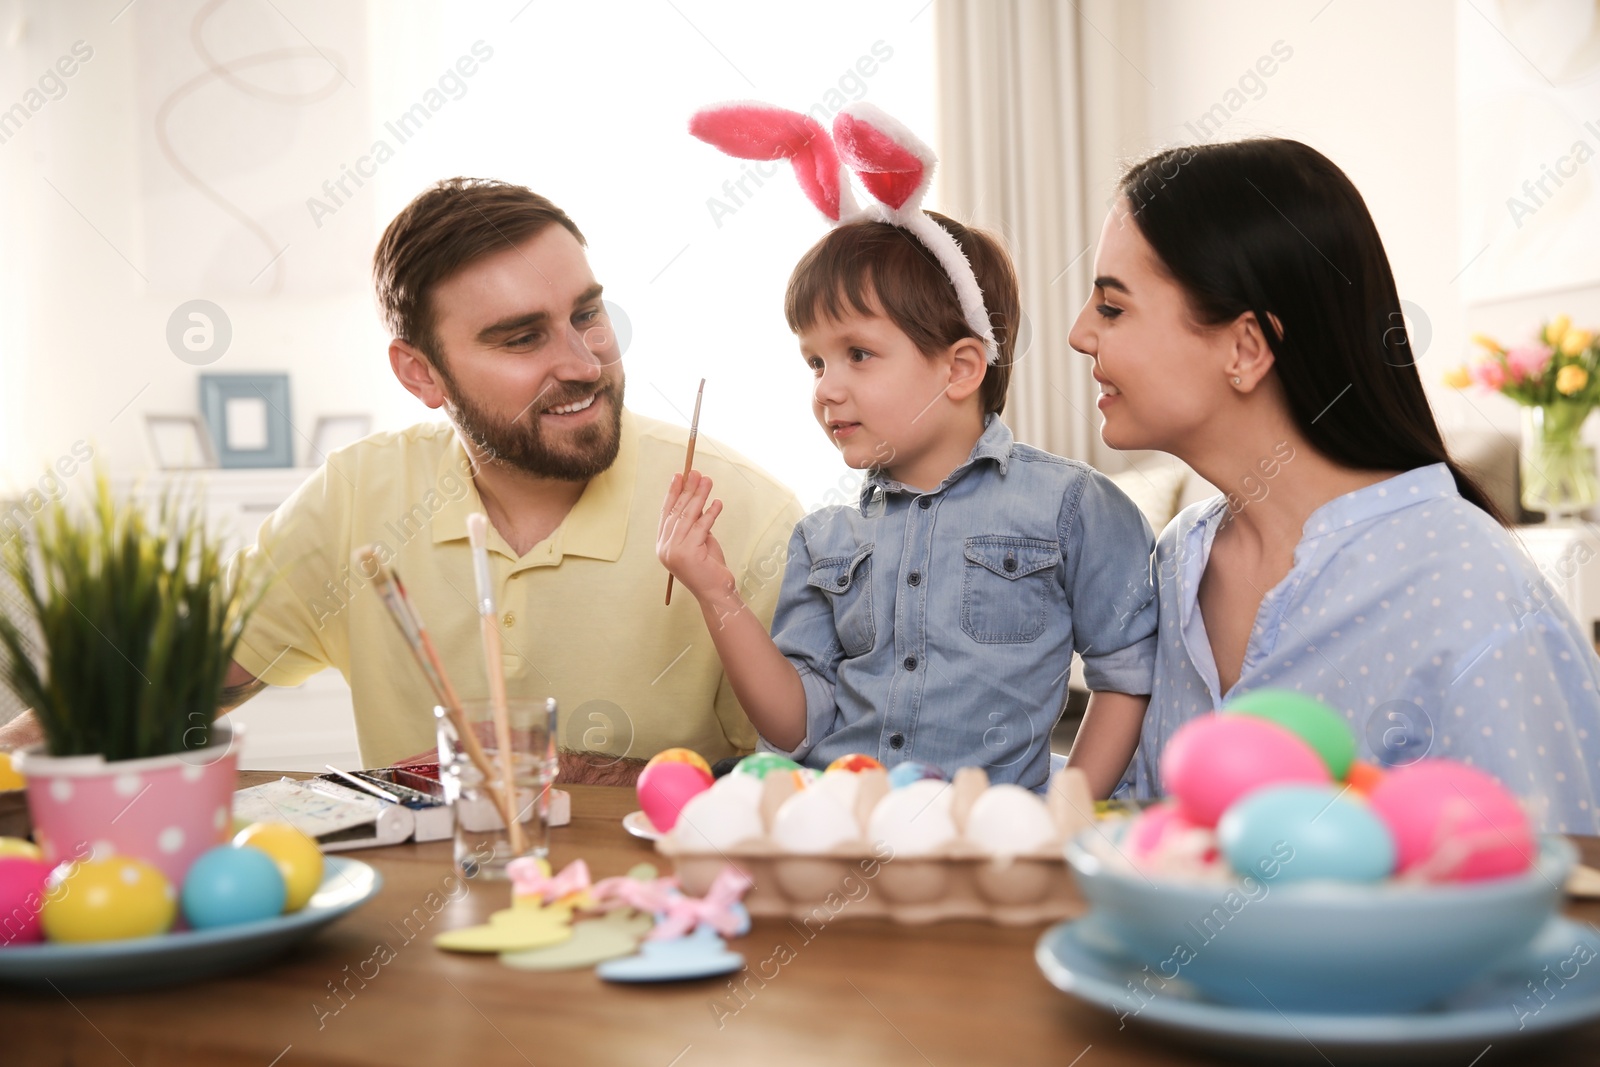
859, 992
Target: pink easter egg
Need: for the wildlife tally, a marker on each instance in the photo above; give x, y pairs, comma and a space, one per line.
666, 787
1151, 827
1215, 760
22, 889
1452, 822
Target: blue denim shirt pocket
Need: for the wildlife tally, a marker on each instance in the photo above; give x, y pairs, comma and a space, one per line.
1005, 588
848, 582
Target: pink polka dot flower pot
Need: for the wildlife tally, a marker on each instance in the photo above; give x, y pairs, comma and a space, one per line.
165, 810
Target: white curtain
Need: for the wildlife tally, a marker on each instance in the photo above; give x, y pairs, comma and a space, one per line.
1012, 142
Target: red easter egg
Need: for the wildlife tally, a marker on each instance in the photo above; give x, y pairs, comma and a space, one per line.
22, 890
1217, 759
1452, 822
856, 762
666, 787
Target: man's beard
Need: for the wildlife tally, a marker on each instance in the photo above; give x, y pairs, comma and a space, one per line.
520, 444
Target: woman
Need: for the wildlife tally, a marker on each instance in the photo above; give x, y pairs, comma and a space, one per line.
1244, 319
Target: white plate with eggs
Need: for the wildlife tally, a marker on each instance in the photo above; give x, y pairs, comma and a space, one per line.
638, 824
187, 955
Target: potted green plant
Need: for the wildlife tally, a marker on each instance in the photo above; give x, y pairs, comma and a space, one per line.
129, 626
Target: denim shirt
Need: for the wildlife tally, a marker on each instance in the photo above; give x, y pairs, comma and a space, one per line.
1422, 621
940, 626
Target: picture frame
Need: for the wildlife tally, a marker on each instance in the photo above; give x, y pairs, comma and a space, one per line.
334, 432
249, 419
179, 442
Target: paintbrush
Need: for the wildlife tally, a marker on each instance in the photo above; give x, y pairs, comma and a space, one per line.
404, 613
688, 459
478, 535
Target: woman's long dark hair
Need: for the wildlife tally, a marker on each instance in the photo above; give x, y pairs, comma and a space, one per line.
1272, 226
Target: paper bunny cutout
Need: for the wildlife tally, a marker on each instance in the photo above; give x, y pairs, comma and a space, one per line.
894, 166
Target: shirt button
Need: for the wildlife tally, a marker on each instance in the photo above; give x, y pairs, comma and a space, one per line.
913, 578
1010, 564
509, 618
844, 579
925, 503
897, 741
911, 663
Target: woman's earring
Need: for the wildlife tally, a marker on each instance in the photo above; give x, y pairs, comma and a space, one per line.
1236, 380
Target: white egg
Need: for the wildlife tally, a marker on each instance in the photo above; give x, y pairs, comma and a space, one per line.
844, 786
915, 820
1008, 820
713, 822
812, 821
743, 788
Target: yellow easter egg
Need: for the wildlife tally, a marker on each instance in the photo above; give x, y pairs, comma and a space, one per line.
9, 779
108, 900
297, 856
16, 846
679, 755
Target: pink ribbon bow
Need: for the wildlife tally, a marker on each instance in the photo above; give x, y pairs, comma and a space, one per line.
650, 896
529, 880
682, 914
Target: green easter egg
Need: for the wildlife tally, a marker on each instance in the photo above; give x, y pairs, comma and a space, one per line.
1311, 720
761, 764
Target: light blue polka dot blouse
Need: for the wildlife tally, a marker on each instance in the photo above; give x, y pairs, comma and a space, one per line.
1422, 620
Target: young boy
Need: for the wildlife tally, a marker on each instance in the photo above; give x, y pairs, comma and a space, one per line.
935, 621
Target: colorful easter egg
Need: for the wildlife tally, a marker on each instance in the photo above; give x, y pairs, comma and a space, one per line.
22, 889
1212, 761
17, 846
298, 858
680, 755
666, 787
9, 778
1151, 827
1310, 720
107, 900
1363, 778
761, 764
226, 886
903, 774
1452, 822
1298, 833
855, 762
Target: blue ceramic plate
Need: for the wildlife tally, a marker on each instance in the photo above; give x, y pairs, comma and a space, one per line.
143, 962
1084, 959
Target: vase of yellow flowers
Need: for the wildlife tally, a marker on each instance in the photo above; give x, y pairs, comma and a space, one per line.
1556, 379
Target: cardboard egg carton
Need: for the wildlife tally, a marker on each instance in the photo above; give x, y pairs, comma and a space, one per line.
864, 879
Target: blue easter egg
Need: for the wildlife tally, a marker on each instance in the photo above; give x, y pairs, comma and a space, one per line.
903, 774
1295, 833
229, 885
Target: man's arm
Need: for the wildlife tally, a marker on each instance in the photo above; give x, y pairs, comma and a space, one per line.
594, 768
239, 685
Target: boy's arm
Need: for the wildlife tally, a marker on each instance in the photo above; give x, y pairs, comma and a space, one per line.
766, 683
1107, 739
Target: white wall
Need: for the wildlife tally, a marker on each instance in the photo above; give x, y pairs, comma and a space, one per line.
586, 103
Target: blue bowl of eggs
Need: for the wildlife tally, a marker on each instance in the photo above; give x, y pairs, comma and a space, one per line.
1282, 873
1318, 945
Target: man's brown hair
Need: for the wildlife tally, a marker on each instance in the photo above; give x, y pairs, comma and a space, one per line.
447, 227
868, 259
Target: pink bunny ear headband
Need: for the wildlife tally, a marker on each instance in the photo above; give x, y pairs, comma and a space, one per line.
892, 163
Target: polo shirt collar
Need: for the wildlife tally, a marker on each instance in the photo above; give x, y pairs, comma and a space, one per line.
996, 443
597, 525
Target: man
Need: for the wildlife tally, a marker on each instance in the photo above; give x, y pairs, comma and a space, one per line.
498, 320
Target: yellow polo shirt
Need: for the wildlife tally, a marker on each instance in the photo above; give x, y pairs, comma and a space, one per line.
581, 614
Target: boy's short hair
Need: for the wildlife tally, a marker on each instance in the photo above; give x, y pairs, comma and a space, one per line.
449, 226
868, 259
